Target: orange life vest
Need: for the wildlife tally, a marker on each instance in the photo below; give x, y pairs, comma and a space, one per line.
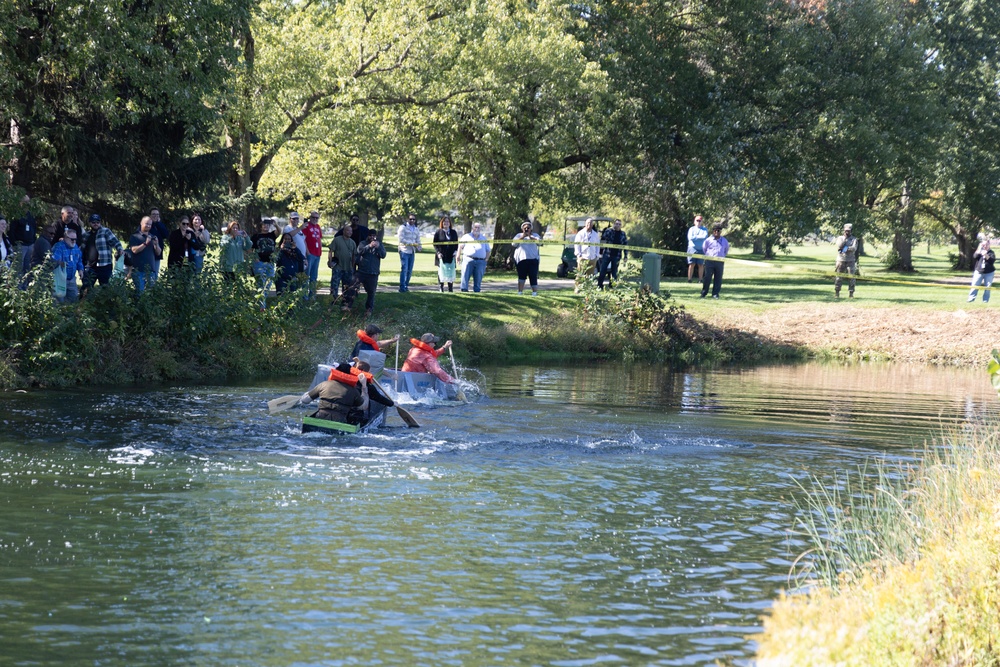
426, 347
345, 378
365, 338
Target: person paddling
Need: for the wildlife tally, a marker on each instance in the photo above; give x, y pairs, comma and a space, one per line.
342, 398
422, 357
366, 340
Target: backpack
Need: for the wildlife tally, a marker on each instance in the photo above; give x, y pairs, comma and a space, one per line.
265, 247
90, 250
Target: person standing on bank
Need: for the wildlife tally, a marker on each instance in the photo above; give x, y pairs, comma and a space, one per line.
370, 256
587, 252
66, 254
291, 261
445, 247
23, 231
473, 249
983, 270
101, 249
160, 231
143, 245
235, 244
6, 247
526, 258
408, 237
179, 242
610, 257
715, 246
697, 234
341, 260
203, 237
848, 247
264, 243
314, 250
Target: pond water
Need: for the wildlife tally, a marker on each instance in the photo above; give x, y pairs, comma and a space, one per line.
570, 516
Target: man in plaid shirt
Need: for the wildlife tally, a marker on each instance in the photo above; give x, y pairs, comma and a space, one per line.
101, 249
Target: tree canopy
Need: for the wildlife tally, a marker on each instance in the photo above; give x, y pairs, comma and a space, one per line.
776, 117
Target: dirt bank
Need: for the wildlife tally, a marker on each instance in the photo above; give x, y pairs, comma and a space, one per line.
959, 337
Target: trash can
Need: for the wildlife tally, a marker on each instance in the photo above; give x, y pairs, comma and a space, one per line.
651, 272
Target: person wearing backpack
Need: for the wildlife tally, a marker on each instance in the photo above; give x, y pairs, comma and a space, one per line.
264, 243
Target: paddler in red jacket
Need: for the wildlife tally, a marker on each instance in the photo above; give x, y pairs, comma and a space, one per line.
423, 357
366, 340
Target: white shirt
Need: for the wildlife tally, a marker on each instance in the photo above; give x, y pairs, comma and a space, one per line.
587, 251
300, 242
473, 247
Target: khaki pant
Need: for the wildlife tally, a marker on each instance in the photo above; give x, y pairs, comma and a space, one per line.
843, 266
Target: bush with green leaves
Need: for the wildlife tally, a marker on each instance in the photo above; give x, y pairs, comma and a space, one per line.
183, 327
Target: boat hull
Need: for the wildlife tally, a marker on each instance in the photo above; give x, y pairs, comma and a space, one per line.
376, 418
418, 385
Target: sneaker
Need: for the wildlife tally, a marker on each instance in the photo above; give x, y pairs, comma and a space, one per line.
520, 292
851, 295
368, 313
715, 296
534, 294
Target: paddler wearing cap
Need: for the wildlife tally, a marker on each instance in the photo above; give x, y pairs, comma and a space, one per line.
342, 398
366, 340
422, 357
848, 247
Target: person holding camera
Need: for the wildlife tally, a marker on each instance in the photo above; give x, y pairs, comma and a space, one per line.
983, 270
144, 247
181, 242
235, 244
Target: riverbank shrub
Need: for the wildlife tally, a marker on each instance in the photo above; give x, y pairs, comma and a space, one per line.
906, 562
183, 327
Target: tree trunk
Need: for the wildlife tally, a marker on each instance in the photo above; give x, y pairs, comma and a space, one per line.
241, 177
673, 235
902, 238
966, 248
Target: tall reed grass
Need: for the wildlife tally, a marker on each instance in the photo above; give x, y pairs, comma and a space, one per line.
905, 565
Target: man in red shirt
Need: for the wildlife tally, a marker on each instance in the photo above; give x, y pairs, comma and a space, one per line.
423, 357
314, 249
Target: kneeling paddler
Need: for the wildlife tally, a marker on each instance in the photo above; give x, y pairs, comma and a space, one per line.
343, 398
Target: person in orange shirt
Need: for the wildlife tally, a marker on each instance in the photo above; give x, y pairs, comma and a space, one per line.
422, 357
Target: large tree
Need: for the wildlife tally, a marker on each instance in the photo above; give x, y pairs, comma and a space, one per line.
114, 101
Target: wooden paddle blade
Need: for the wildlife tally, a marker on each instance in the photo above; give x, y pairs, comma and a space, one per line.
407, 417
460, 395
281, 404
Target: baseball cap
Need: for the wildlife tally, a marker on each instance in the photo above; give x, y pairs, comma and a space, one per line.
293, 215
373, 329
94, 217
428, 338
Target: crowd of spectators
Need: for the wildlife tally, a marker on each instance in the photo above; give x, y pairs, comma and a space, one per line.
80, 258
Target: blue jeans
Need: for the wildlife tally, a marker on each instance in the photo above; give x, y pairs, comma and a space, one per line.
981, 279
312, 268
406, 260
474, 268
265, 274
608, 266
140, 278
199, 261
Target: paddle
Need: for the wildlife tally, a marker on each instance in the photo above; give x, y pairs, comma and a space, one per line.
283, 403
403, 414
459, 394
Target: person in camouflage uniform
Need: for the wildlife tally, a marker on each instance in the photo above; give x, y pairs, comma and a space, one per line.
848, 248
